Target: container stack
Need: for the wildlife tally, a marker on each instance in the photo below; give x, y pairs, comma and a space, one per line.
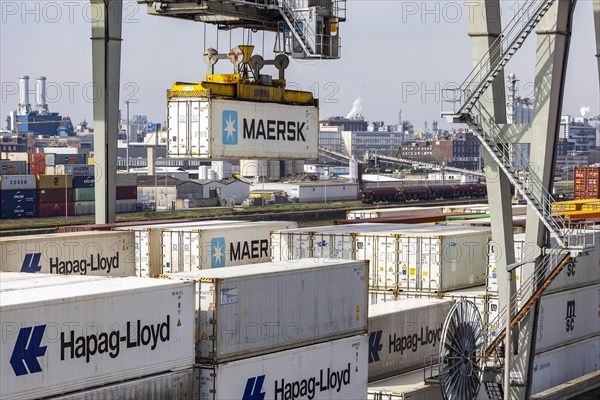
83, 188
126, 193
256, 338
54, 195
8, 167
587, 183
18, 196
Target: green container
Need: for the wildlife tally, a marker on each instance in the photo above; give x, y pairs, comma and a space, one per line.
83, 194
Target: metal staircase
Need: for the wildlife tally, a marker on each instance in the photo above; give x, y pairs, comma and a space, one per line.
299, 27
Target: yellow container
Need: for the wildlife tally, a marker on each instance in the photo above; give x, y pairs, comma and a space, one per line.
54, 181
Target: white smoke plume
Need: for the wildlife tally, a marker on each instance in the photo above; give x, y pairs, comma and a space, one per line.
356, 107
584, 111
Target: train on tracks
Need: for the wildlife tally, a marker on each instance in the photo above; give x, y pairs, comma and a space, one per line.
401, 194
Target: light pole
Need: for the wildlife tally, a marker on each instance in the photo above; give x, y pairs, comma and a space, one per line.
127, 152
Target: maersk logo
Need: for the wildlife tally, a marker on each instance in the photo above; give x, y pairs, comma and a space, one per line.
31, 263
253, 389
27, 349
375, 346
217, 252
230, 127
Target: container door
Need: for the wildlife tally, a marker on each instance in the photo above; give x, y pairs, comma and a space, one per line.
387, 261
176, 119
170, 244
429, 269
142, 253
411, 256
198, 128
206, 324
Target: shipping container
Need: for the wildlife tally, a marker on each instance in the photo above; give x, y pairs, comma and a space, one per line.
17, 182
334, 370
126, 206
50, 158
126, 192
401, 256
148, 244
84, 207
80, 182
22, 156
13, 167
83, 194
54, 195
23, 210
403, 333
79, 169
61, 209
54, 181
262, 308
23, 280
70, 159
561, 365
84, 253
587, 183
404, 387
190, 248
50, 170
178, 385
17, 197
93, 333
391, 212
230, 129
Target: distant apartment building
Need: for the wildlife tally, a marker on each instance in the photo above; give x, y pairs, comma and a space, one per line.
357, 123
460, 150
357, 143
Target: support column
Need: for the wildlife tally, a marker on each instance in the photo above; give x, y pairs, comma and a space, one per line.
106, 69
597, 23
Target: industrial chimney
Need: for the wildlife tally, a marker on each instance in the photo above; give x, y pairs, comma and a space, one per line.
40, 91
24, 106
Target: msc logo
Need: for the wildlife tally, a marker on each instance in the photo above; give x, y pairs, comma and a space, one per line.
217, 252
375, 346
570, 317
253, 389
27, 349
31, 263
230, 127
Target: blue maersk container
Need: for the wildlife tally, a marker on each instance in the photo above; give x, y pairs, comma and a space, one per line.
81, 182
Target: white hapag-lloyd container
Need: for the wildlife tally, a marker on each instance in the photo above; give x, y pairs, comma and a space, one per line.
584, 271
334, 370
402, 387
170, 385
391, 212
224, 129
464, 208
401, 256
565, 363
148, 244
191, 248
403, 333
262, 308
94, 333
83, 253
23, 280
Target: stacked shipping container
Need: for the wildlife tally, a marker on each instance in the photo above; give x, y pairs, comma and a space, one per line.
587, 183
18, 196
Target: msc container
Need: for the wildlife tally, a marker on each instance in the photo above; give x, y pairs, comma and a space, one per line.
84, 253
70, 159
80, 182
54, 181
567, 317
61, 209
560, 365
229, 129
335, 370
190, 248
171, 385
401, 256
403, 333
84, 207
13, 167
83, 194
79, 169
54, 195
148, 244
403, 387
126, 192
391, 212
93, 333
262, 308
17, 197
23, 280
17, 182
22, 210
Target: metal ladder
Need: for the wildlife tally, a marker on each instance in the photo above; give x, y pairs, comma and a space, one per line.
299, 27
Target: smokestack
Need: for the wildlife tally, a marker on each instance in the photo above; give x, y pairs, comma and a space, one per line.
24, 106
40, 91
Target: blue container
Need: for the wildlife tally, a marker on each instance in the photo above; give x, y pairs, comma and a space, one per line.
15, 197
82, 182
24, 210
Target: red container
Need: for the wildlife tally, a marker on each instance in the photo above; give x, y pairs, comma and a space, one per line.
37, 163
55, 209
587, 183
54, 195
126, 192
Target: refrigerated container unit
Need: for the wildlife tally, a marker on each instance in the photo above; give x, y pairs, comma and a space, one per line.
262, 308
403, 333
401, 256
391, 212
191, 248
402, 387
334, 370
124, 329
83, 253
23, 280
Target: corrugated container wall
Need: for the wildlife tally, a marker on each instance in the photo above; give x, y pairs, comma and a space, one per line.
140, 327
84, 207
17, 182
54, 181
61, 209
392, 212
84, 253
258, 309
334, 370
70, 159
13, 167
587, 183
229, 129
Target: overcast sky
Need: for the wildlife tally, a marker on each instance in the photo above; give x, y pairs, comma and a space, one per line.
396, 55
